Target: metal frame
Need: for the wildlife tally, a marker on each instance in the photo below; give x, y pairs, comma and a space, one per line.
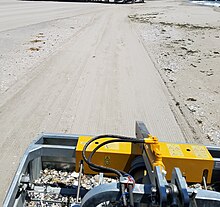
215, 152
164, 194
62, 148
59, 146
111, 192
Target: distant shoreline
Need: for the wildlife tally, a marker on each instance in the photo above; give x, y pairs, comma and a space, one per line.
207, 3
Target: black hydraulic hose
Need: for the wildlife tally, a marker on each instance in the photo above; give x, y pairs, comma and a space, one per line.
117, 138
91, 165
96, 167
102, 168
111, 141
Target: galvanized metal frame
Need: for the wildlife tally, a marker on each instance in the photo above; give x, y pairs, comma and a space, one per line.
145, 193
47, 144
111, 192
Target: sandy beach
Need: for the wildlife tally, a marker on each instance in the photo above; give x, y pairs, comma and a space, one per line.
93, 68
184, 42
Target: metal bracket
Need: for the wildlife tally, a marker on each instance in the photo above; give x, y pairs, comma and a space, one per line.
161, 186
141, 130
179, 181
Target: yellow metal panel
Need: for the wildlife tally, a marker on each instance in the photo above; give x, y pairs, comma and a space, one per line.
175, 150
124, 148
114, 155
191, 159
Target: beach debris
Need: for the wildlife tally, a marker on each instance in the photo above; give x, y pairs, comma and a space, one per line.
192, 108
168, 70
40, 35
177, 103
190, 40
191, 99
193, 65
57, 178
183, 48
36, 41
199, 121
44, 195
209, 73
177, 49
192, 51
34, 48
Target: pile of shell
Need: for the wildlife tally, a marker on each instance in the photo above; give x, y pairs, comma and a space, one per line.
55, 178
47, 200
52, 177
200, 186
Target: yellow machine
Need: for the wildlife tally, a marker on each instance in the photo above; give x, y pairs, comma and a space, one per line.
163, 169
194, 161
113, 155
146, 172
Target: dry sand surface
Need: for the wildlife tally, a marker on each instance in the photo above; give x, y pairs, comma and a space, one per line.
184, 42
87, 68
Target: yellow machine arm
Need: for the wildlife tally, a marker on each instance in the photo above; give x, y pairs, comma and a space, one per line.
194, 161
